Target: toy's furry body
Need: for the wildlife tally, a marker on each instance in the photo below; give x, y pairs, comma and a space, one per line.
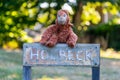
59, 33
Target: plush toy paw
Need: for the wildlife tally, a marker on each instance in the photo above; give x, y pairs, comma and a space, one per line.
50, 44
71, 44
43, 42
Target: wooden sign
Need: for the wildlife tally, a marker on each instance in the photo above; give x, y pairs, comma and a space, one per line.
61, 55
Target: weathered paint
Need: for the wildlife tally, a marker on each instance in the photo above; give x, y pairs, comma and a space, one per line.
27, 73
61, 54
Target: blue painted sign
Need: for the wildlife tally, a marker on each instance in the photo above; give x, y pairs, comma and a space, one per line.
61, 55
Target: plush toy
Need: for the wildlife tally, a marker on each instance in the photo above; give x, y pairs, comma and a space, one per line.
61, 32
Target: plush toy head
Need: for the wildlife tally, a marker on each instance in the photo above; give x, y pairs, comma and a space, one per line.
63, 18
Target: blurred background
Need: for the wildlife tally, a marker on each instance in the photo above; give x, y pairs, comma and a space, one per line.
23, 21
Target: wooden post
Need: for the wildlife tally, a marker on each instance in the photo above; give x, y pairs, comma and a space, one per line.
27, 73
96, 73
61, 55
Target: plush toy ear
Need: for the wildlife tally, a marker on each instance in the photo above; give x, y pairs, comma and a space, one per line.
56, 22
68, 19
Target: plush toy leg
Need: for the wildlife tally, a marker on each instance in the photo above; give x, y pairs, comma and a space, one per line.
72, 40
52, 41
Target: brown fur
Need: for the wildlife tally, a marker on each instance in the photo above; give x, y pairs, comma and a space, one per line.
59, 34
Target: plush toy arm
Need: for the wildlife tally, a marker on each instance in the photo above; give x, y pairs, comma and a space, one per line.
52, 41
47, 34
72, 39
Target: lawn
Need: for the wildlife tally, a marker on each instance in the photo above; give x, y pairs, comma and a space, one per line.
11, 69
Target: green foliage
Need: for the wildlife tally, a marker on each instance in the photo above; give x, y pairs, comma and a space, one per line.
114, 40
90, 14
99, 30
109, 32
15, 16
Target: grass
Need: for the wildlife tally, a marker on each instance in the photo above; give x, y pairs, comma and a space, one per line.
110, 53
10, 66
11, 69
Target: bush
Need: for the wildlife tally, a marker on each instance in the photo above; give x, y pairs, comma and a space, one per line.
108, 32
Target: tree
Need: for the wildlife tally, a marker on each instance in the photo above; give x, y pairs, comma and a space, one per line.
16, 16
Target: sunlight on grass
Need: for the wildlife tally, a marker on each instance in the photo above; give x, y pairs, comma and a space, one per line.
48, 78
110, 53
12, 76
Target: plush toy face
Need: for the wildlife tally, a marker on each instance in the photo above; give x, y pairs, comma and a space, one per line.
61, 17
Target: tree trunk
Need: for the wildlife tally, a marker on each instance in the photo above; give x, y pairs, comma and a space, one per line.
77, 20
77, 15
100, 10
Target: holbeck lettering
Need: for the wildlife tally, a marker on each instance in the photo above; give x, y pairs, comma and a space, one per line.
41, 55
